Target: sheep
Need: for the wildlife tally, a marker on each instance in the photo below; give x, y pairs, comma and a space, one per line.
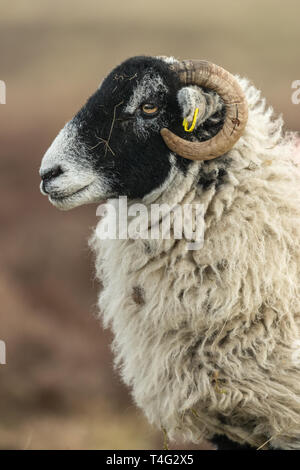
207, 339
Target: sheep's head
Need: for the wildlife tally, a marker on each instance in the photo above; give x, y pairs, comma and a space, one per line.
129, 134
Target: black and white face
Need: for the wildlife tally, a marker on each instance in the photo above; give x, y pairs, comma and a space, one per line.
113, 146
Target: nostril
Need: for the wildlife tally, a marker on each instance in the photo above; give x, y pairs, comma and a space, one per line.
53, 173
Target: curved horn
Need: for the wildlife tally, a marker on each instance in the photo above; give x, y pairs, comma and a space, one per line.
213, 77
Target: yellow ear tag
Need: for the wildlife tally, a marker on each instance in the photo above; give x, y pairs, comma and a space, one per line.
185, 122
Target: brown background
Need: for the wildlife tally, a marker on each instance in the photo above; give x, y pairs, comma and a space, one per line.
58, 389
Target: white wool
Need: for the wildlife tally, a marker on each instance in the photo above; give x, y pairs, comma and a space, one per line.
207, 340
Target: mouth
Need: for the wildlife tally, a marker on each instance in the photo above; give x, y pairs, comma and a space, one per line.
72, 200
61, 198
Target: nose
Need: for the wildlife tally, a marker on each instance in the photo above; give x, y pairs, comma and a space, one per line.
49, 175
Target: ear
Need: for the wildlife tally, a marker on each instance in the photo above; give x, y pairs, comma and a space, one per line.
192, 97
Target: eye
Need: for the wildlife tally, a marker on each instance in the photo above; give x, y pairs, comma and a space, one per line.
149, 109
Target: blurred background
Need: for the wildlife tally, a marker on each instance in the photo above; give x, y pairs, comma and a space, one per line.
58, 388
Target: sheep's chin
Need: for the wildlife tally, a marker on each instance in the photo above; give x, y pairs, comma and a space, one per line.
85, 195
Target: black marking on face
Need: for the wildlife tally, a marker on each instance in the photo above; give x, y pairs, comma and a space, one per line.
122, 143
